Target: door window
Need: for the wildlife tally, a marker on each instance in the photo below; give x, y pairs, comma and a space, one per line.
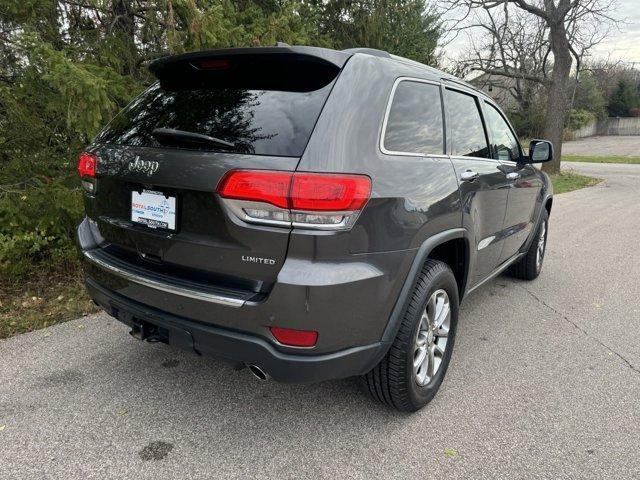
504, 142
415, 122
468, 138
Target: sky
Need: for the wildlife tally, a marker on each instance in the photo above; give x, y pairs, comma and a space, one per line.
620, 45
624, 45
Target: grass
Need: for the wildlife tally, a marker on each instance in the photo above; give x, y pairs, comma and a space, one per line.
600, 159
567, 181
28, 306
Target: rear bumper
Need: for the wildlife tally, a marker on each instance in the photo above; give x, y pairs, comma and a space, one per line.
348, 302
240, 347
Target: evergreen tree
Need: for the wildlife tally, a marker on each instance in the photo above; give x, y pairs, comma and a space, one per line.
67, 66
625, 97
401, 27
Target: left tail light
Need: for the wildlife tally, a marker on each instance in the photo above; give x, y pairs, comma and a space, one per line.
300, 199
87, 168
87, 164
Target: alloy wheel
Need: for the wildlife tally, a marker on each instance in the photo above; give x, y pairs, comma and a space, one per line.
542, 242
431, 338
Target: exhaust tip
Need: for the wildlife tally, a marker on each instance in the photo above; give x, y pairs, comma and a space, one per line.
258, 372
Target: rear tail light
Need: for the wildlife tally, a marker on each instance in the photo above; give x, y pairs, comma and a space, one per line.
307, 200
87, 164
294, 338
87, 169
259, 186
329, 193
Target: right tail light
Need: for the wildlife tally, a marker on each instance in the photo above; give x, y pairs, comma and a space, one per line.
325, 201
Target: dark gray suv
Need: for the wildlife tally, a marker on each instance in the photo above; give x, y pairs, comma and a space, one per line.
312, 214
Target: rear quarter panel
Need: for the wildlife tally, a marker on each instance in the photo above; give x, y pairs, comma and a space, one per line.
412, 199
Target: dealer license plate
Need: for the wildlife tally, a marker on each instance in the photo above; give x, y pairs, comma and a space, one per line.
153, 209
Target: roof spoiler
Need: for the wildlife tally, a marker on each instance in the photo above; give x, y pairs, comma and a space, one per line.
260, 68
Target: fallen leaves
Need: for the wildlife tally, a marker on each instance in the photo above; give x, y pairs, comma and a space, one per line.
451, 452
27, 306
32, 302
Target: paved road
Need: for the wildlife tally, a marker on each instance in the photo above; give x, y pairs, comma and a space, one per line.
613, 145
545, 382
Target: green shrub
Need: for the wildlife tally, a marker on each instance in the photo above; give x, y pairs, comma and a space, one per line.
580, 118
625, 97
576, 120
528, 123
37, 229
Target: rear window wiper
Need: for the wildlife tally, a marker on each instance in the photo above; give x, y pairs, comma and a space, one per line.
170, 136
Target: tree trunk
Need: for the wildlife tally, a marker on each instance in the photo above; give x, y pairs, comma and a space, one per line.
557, 94
124, 27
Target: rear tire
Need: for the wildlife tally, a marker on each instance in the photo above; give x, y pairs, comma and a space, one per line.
530, 266
411, 372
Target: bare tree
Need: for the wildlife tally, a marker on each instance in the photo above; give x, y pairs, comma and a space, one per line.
512, 42
538, 41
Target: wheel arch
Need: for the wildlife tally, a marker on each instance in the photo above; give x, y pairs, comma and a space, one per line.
447, 246
548, 204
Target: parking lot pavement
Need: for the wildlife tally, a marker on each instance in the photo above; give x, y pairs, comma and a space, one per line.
544, 382
604, 146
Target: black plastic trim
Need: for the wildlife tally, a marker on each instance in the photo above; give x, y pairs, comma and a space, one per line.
240, 347
421, 256
527, 243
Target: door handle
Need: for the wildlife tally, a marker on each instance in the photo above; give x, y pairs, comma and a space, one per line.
469, 176
513, 176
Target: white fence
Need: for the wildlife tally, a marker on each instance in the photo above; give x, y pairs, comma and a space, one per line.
610, 126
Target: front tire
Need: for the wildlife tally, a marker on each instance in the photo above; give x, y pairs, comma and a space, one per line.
530, 266
411, 372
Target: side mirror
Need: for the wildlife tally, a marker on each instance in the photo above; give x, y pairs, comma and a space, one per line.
540, 151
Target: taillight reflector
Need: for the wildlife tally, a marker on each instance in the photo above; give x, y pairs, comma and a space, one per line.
87, 164
295, 338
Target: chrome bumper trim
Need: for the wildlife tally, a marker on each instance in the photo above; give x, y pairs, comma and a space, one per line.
151, 283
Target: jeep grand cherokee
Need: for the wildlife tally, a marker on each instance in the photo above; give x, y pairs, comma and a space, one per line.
310, 213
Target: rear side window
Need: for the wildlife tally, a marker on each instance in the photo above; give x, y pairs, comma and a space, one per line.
505, 144
468, 138
415, 123
262, 122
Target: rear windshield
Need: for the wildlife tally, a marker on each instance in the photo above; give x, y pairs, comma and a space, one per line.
262, 122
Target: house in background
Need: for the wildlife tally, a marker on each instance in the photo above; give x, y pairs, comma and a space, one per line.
499, 88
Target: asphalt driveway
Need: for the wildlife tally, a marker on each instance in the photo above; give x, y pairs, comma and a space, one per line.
545, 382
602, 146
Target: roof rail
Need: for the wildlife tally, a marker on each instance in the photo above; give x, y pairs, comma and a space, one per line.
369, 51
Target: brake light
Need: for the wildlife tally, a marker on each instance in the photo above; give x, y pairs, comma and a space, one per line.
295, 338
257, 186
320, 192
301, 199
213, 64
87, 164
